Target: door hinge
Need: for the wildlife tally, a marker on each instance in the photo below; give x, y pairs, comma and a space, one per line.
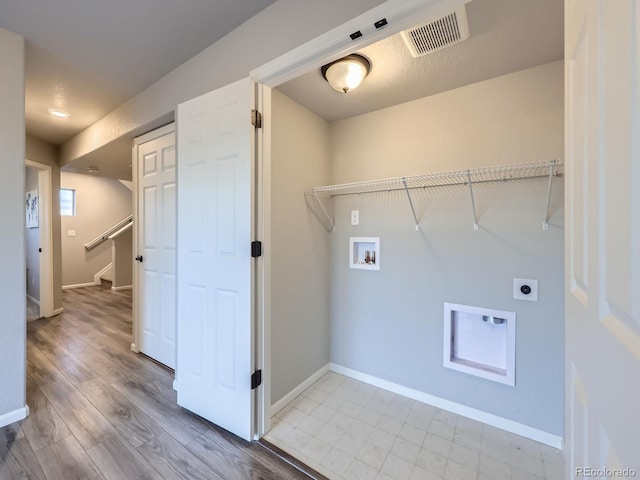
256, 379
256, 118
256, 249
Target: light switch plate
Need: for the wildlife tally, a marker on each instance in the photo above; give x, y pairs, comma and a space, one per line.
521, 292
71, 233
355, 217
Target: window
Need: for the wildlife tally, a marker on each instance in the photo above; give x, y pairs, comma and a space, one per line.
67, 202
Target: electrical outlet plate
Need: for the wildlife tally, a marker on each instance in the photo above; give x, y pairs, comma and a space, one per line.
518, 294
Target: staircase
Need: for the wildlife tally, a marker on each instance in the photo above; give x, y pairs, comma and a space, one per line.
118, 275
106, 282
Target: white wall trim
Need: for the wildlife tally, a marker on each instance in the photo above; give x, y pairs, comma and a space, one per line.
37, 302
96, 277
57, 311
78, 285
475, 414
14, 416
289, 397
122, 287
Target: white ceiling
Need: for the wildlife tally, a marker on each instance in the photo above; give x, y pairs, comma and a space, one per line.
506, 36
89, 56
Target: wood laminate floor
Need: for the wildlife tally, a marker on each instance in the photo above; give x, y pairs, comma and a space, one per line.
100, 411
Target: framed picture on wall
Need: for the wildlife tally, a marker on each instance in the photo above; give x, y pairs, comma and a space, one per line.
364, 253
32, 209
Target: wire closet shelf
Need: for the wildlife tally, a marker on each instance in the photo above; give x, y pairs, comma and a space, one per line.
497, 173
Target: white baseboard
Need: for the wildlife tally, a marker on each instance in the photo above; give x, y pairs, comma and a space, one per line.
475, 414
123, 287
79, 285
289, 397
37, 302
57, 311
134, 348
14, 416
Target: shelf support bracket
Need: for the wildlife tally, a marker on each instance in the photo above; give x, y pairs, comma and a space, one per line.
324, 210
552, 169
413, 210
473, 201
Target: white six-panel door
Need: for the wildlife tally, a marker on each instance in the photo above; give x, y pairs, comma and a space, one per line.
156, 198
215, 187
602, 77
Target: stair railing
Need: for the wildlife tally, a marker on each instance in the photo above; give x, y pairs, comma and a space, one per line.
105, 236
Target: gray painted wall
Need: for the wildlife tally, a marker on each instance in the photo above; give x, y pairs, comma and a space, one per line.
299, 248
42, 152
100, 204
33, 242
495, 122
12, 213
389, 324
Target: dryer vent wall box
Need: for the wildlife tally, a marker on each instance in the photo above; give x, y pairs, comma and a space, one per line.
480, 341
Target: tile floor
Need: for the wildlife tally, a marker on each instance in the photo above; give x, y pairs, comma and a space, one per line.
33, 310
350, 430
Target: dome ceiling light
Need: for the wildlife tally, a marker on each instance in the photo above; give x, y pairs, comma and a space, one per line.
346, 73
58, 113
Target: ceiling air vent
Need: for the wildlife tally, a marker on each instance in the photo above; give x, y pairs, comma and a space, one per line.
437, 34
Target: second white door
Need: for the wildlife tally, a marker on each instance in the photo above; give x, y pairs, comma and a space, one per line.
156, 249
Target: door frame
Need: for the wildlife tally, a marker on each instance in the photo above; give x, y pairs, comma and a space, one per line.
45, 194
137, 227
261, 230
334, 44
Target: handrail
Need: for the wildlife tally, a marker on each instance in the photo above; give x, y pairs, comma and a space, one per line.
121, 231
106, 235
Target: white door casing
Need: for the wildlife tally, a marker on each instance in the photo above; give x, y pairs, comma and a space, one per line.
215, 267
46, 238
602, 143
155, 237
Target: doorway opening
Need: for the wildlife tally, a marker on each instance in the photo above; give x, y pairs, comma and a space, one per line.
378, 331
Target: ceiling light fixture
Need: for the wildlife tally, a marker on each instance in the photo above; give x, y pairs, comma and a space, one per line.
346, 73
58, 113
